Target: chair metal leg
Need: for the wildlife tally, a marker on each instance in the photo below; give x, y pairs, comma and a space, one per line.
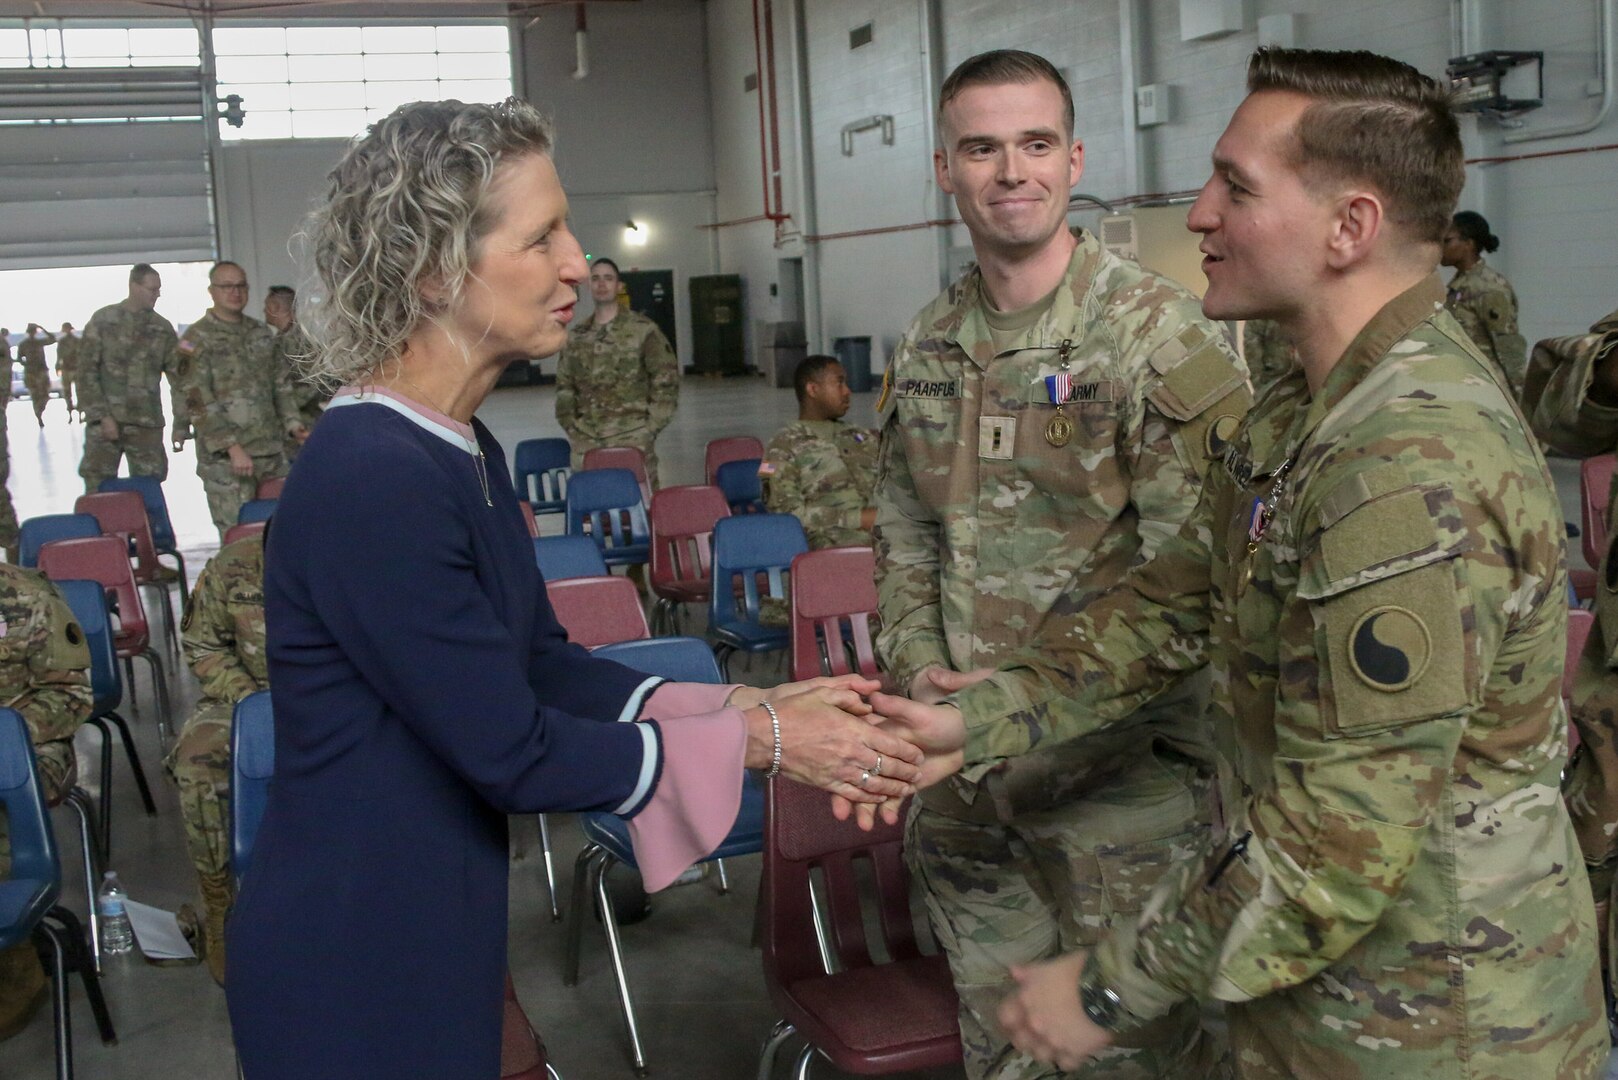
129, 682
92, 982
164, 735
583, 867
79, 800
780, 1033
185, 589
724, 882
609, 922
800, 1068
550, 866
59, 1008
722, 654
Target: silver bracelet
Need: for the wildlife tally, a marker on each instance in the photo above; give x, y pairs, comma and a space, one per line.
775, 726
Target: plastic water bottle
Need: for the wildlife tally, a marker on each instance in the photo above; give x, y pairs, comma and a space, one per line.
117, 936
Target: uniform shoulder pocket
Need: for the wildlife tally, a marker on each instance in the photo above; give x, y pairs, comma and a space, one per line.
1388, 592
1193, 374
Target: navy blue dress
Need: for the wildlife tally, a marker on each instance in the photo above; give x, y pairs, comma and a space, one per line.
423, 690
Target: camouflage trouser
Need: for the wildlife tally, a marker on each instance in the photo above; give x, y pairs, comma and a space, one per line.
199, 765
39, 388
143, 445
1045, 885
227, 491
58, 771
8, 513
647, 447
67, 389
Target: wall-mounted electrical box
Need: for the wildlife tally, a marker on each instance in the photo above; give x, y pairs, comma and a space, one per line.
1156, 237
1204, 20
1152, 105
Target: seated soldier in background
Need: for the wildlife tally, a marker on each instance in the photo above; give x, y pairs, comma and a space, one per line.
224, 644
819, 468
45, 676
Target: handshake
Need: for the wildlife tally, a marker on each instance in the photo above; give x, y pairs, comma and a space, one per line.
870, 750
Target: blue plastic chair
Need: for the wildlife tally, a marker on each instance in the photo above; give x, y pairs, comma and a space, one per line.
252, 767
540, 474
748, 547
36, 532
255, 510
682, 659
157, 511
605, 505
28, 907
568, 557
744, 491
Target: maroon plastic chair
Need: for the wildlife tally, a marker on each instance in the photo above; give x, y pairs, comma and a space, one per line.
598, 610
1595, 494
682, 548
529, 518
246, 528
620, 457
271, 488
865, 1017
833, 610
730, 448
105, 559
123, 513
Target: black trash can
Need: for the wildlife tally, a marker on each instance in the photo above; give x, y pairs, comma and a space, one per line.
854, 353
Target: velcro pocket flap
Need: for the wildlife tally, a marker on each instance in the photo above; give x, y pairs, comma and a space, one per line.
1194, 374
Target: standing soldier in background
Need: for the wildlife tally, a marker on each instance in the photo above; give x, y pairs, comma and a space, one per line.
44, 675
67, 364
1048, 421
292, 345
8, 513
1266, 353
127, 348
224, 644
35, 371
821, 470
618, 380
1480, 297
237, 397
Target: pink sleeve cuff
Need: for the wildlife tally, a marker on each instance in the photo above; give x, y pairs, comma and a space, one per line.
685, 699
698, 796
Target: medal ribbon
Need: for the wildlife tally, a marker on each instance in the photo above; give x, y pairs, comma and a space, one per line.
1059, 387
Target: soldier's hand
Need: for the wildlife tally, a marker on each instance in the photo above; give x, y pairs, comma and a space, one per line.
109, 429
1043, 1017
240, 463
300, 434
933, 683
868, 518
829, 738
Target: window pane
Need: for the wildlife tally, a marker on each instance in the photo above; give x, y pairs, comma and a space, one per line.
325, 68
14, 44
476, 90
329, 124
269, 125
385, 66
473, 66
252, 69
398, 39
166, 61
388, 96
249, 40
163, 41
47, 45
96, 43
260, 97
333, 95
322, 40
473, 39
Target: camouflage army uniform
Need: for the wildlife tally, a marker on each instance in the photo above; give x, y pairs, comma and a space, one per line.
1395, 895
236, 391
291, 346
67, 366
36, 374
822, 471
8, 513
990, 539
44, 675
121, 358
617, 385
1484, 303
224, 644
1268, 355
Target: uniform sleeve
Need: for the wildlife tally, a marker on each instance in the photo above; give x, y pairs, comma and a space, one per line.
209, 640
566, 392
1558, 397
44, 661
92, 396
662, 378
1366, 728
907, 567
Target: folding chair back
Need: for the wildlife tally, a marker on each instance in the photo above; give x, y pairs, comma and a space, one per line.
729, 448
680, 659
833, 609
102, 559
750, 551
682, 541
270, 488
605, 505
39, 531
88, 600
34, 867
741, 485
619, 457
237, 532
1595, 497
561, 557
255, 510
252, 767
598, 610
150, 489
539, 473
124, 513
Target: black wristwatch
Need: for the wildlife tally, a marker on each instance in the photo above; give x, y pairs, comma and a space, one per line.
1102, 1005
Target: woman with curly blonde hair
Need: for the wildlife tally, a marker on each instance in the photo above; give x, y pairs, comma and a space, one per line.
423, 689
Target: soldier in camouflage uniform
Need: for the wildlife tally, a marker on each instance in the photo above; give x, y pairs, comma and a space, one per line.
1480, 297
292, 346
35, 372
1379, 562
618, 380
237, 397
127, 348
224, 644
44, 675
8, 513
820, 469
1047, 423
67, 364
1267, 354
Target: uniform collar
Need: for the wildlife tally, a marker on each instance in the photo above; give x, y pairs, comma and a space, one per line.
965, 327
1370, 346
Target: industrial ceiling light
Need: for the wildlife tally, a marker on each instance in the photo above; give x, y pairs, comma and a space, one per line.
634, 234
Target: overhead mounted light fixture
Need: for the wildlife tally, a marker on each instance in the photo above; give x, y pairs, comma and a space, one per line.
634, 234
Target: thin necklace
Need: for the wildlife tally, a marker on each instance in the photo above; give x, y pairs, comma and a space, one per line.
481, 464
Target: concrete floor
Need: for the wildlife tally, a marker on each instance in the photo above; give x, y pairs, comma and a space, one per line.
698, 985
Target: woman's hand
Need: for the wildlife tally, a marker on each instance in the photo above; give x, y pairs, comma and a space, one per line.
827, 740
746, 697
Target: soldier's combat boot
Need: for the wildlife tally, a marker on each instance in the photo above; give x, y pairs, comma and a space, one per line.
22, 988
218, 894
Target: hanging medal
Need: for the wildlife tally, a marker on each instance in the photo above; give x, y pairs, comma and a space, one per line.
1259, 517
1059, 432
